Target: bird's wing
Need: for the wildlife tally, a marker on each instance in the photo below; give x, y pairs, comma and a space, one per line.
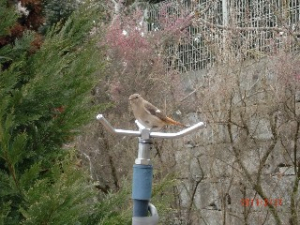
151, 109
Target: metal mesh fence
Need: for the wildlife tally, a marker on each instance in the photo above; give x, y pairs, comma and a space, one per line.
244, 25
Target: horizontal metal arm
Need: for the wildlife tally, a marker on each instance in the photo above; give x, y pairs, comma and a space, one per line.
184, 132
181, 133
109, 127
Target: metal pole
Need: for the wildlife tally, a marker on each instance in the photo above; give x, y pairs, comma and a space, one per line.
143, 170
142, 181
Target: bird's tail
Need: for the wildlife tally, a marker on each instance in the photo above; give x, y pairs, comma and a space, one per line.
173, 122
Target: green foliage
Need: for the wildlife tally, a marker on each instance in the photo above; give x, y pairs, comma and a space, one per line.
8, 17
58, 11
45, 99
162, 197
19, 51
61, 199
113, 208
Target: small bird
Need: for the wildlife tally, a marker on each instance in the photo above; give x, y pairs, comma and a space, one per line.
148, 115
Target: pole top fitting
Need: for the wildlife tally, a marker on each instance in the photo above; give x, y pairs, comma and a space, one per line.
145, 132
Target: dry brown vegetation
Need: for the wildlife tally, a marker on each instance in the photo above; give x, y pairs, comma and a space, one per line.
249, 99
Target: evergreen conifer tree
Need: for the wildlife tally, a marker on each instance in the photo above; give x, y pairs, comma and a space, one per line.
44, 100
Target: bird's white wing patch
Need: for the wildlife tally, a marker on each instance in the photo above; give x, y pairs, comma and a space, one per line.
157, 111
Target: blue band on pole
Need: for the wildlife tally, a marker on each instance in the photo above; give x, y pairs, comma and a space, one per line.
141, 189
142, 182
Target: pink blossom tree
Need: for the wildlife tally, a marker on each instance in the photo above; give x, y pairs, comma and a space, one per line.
136, 56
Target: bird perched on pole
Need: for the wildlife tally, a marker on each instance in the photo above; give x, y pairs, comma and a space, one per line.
149, 115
